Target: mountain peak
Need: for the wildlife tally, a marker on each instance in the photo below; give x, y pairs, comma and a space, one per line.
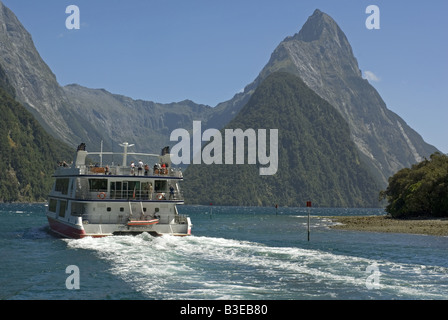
35, 84
321, 55
320, 26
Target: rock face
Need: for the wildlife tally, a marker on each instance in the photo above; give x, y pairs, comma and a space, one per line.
35, 84
316, 157
321, 55
145, 123
77, 114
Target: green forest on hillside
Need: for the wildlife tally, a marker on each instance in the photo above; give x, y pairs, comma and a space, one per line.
317, 159
28, 155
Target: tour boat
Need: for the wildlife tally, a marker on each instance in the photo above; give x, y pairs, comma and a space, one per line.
92, 200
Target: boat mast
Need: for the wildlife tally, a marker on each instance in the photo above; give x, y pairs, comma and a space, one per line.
101, 154
125, 146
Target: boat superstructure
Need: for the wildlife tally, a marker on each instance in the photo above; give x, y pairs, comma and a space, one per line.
102, 200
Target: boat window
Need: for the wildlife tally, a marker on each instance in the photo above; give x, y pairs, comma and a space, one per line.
71, 186
134, 186
125, 189
62, 207
99, 185
52, 205
62, 185
160, 185
115, 190
147, 190
77, 209
131, 190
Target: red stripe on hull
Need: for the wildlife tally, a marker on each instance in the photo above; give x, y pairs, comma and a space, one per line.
143, 223
66, 230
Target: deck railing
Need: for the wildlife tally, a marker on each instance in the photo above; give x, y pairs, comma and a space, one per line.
119, 171
127, 171
130, 195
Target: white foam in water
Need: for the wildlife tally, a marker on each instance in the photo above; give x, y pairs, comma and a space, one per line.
216, 268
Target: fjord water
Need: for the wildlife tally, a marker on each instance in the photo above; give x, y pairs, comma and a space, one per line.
235, 253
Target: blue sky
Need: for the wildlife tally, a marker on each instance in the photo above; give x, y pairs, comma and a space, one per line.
206, 50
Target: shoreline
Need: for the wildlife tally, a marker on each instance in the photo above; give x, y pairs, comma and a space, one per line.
430, 226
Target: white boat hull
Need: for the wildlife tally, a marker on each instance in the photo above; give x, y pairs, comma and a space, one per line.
68, 229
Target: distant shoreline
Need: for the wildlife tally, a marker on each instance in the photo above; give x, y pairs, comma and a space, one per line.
431, 226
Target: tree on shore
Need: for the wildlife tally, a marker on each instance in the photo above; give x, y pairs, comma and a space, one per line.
421, 190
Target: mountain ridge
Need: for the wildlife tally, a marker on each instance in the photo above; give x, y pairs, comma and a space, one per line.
35, 84
319, 54
322, 56
148, 124
318, 161
67, 115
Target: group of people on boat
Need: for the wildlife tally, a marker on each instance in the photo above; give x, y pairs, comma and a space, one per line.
140, 167
158, 168
63, 164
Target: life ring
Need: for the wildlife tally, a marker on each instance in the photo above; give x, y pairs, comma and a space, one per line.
102, 195
160, 196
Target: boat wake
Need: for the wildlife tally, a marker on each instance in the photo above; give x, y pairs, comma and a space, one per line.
197, 267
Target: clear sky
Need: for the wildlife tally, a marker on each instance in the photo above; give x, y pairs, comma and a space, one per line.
208, 50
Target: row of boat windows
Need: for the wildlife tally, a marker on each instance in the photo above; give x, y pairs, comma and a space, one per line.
117, 188
77, 209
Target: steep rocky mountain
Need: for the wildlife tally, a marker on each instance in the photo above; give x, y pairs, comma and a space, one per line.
317, 160
321, 55
144, 123
35, 85
28, 154
77, 114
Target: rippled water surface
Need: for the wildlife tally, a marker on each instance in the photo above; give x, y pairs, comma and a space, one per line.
234, 253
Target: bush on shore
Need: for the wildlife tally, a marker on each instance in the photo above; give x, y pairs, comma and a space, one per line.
421, 190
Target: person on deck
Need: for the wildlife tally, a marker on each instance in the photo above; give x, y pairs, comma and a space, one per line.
146, 169
171, 192
140, 167
132, 168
